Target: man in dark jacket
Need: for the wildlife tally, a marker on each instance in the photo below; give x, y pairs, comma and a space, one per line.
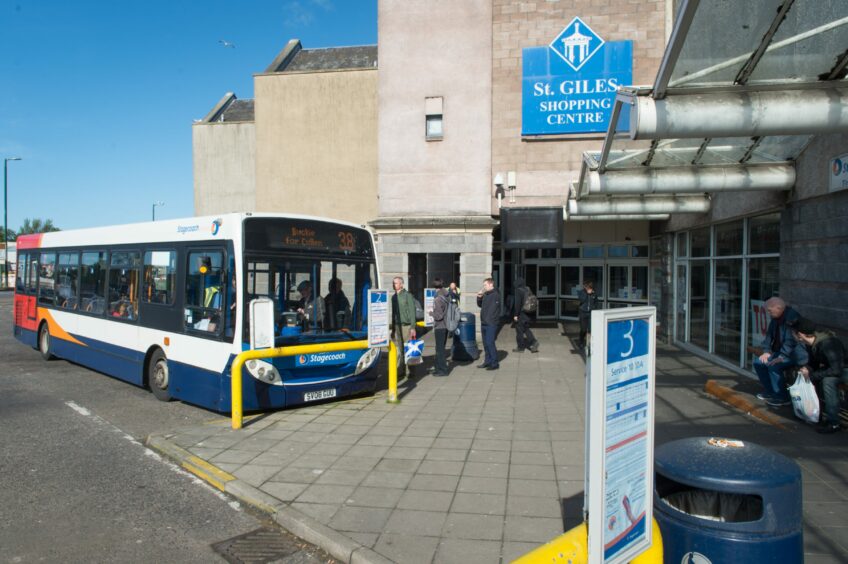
440, 328
780, 351
588, 303
826, 365
523, 335
489, 302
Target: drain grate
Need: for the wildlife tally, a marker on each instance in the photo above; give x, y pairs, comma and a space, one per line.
256, 547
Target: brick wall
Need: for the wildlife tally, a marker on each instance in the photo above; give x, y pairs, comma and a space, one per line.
544, 168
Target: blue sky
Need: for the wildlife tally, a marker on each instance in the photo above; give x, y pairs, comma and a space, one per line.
99, 97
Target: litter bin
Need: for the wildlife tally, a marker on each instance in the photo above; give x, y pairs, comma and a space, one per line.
464, 347
720, 500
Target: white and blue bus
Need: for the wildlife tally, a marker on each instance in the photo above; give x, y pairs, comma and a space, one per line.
164, 304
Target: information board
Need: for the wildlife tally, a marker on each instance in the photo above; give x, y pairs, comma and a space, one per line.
378, 318
429, 302
620, 441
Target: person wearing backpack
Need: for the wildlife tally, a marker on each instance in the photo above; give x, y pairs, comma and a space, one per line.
524, 309
440, 327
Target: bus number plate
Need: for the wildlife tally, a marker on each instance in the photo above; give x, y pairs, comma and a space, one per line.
319, 395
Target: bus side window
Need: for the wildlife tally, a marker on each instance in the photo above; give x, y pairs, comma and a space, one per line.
47, 279
205, 292
124, 277
20, 273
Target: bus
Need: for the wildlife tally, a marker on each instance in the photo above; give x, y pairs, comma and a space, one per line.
164, 305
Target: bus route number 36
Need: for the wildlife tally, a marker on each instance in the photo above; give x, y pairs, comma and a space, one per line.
346, 241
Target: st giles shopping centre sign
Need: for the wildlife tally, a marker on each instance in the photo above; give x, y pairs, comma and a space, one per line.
569, 86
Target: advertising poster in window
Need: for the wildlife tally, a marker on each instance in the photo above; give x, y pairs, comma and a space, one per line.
621, 408
429, 302
378, 318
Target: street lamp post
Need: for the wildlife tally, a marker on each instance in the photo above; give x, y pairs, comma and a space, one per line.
5, 219
157, 203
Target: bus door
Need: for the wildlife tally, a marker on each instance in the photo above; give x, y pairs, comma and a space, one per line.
159, 291
32, 291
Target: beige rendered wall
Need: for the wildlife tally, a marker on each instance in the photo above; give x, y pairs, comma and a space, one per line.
224, 167
430, 48
316, 139
546, 168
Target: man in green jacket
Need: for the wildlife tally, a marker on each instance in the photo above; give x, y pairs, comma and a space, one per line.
403, 321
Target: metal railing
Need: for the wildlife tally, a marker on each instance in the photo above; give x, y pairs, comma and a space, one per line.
237, 406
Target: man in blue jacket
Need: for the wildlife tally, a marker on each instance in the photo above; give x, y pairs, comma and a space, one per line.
780, 351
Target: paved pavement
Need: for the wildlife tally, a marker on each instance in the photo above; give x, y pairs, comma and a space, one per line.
481, 466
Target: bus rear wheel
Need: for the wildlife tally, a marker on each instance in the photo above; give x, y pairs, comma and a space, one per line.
157, 376
45, 342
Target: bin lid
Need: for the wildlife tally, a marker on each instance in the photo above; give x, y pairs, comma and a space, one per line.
725, 465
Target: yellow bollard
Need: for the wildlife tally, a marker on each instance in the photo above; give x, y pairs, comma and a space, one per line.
236, 407
572, 547
393, 352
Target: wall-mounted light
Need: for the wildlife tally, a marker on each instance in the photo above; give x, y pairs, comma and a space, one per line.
499, 188
510, 182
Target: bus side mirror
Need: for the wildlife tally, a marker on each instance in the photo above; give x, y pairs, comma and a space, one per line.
261, 323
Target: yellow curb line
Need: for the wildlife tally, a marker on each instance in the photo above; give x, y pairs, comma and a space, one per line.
739, 401
212, 474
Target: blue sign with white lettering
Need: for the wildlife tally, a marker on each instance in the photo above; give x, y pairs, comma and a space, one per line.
627, 339
569, 86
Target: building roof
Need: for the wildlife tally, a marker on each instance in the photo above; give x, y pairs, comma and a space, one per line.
238, 110
294, 58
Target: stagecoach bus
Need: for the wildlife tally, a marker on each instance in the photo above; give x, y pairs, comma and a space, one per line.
164, 304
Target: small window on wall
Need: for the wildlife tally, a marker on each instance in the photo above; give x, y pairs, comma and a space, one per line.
617, 251
433, 110
593, 252
124, 276
570, 252
47, 279
68, 281
159, 277
204, 291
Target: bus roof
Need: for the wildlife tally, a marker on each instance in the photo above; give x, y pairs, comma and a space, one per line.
204, 228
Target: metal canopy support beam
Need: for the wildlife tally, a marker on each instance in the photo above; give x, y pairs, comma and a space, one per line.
685, 15
691, 180
639, 205
742, 114
621, 217
748, 68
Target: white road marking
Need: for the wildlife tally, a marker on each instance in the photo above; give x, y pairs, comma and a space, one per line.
154, 455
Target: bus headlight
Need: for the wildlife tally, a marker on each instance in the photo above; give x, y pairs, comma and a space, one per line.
263, 371
366, 361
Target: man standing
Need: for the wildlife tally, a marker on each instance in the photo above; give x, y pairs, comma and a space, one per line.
826, 365
524, 337
588, 303
489, 302
780, 351
440, 328
403, 321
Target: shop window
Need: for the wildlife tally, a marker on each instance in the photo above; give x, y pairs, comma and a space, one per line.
593, 252
728, 239
763, 283
727, 309
639, 283
433, 109
639, 251
618, 282
47, 279
160, 277
699, 302
700, 242
617, 251
764, 234
682, 247
595, 274
68, 281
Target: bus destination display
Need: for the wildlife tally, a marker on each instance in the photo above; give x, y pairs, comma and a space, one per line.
295, 235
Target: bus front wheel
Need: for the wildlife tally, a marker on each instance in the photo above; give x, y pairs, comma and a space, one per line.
157, 375
45, 343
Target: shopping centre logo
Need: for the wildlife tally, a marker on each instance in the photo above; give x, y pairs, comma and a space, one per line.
576, 44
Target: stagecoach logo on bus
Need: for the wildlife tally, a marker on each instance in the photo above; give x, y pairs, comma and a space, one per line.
569, 85
216, 225
321, 358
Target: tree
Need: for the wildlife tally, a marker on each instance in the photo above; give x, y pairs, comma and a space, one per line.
36, 225
10, 235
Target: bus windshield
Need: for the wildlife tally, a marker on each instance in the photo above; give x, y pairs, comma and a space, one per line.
314, 299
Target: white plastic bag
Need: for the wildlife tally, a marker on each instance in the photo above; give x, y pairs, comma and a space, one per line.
805, 401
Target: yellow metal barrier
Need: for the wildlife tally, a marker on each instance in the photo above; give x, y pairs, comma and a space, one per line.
393, 352
235, 389
572, 547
